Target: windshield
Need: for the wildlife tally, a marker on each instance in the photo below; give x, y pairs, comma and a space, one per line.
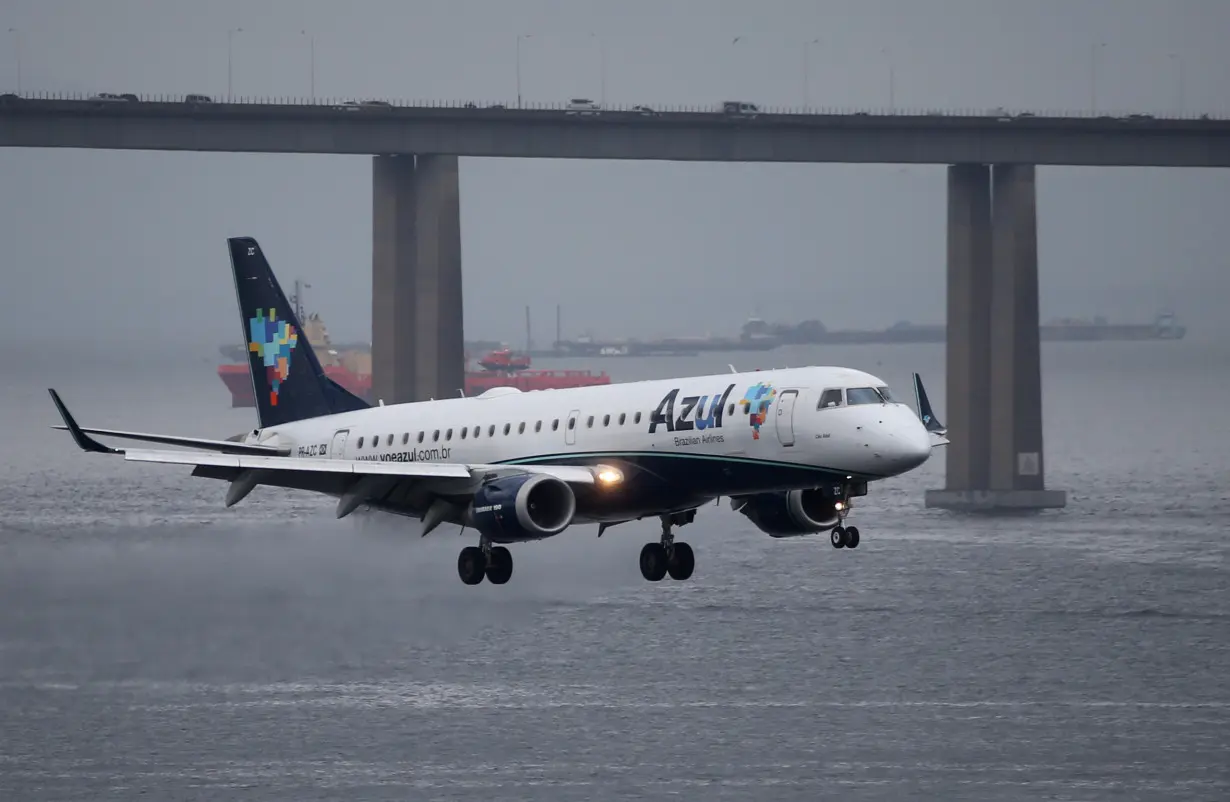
862, 395
886, 395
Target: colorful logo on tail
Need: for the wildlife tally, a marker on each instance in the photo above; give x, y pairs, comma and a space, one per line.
756, 404
273, 341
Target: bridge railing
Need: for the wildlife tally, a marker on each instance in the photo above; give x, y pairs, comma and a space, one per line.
561, 106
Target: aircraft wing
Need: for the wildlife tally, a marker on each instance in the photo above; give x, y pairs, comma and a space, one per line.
405, 487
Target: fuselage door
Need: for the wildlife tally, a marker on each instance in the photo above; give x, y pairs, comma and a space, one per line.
337, 449
570, 428
785, 416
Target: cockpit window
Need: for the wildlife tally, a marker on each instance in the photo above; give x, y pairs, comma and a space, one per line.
863, 395
829, 398
886, 395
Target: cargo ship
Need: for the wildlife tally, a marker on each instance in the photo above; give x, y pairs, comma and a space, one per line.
351, 367
758, 335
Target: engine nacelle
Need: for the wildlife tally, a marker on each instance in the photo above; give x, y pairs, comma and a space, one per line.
791, 514
526, 507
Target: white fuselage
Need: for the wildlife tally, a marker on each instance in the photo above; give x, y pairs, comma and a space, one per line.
702, 437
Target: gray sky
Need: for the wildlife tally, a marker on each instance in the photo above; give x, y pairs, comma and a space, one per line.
128, 247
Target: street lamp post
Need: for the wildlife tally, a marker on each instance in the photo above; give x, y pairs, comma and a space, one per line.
601, 67
892, 79
311, 62
17, 54
519, 38
1093, 74
230, 35
1179, 62
807, 73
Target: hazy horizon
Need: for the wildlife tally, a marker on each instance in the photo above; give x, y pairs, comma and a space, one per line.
121, 250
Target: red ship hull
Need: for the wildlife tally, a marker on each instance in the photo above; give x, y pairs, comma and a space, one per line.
235, 377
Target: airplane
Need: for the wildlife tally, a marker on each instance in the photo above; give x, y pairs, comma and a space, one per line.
789, 448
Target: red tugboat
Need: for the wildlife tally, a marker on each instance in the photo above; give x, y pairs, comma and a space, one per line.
352, 369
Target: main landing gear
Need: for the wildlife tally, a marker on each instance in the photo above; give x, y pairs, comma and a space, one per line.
667, 556
842, 536
493, 562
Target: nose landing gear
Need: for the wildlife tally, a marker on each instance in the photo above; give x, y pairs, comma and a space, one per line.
666, 556
844, 536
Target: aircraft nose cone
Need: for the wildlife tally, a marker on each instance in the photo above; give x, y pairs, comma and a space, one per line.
905, 448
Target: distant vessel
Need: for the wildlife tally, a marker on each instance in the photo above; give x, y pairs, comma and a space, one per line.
813, 332
351, 366
758, 335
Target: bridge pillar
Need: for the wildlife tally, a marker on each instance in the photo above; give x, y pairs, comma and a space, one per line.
417, 334
994, 365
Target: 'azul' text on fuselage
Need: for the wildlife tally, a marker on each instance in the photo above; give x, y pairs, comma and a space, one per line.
690, 412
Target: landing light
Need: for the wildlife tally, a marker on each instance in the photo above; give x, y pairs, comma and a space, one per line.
839, 505
608, 475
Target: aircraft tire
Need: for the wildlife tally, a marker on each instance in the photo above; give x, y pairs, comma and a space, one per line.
852, 537
499, 565
838, 537
681, 563
471, 565
653, 562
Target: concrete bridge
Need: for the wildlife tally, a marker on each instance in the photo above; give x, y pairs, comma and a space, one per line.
995, 461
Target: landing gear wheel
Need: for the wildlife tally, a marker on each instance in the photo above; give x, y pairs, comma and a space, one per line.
471, 565
653, 562
852, 537
499, 565
838, 537
681, 562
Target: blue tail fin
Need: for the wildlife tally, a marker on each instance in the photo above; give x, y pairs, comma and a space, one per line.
925, 412
287, 379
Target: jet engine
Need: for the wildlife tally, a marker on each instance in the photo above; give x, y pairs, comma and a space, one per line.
792, 513
525, 507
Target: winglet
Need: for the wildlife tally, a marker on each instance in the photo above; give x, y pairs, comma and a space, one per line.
82, 439
925, 412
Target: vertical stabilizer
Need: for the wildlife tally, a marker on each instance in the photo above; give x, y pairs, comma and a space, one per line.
287, 379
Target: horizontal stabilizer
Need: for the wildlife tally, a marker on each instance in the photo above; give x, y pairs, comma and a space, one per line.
925, 413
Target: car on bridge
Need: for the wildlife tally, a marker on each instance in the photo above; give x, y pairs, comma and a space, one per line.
198, 99
359, 105
645, 111
111, 97
581, 105
739, 108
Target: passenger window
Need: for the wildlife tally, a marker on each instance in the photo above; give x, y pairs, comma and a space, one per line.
862, 395
590, 423
491, 430
606, 420
389, 441
555, 424
360, 444
636, 418
829, 398
376, 441
521, 427
405, 438
507, 428
420, 437
537, 426
621, 418
478, 430
730, 409
464, 430
435, 436
572, 423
